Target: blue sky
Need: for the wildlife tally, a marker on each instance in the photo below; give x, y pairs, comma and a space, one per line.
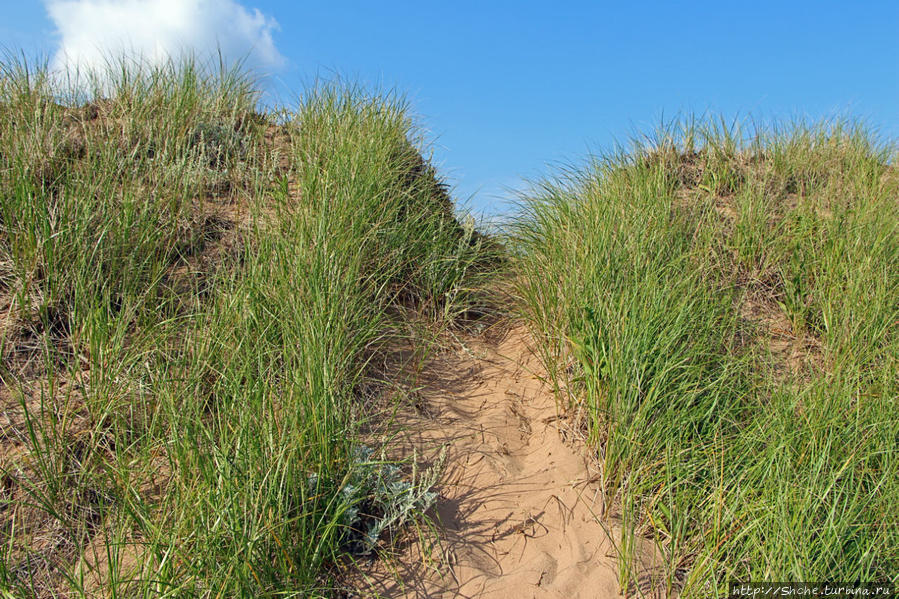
510, 89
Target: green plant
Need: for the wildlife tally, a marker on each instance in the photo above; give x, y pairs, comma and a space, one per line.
197, 294
376, 498
724, 310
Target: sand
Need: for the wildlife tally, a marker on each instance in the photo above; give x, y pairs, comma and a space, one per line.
519, 513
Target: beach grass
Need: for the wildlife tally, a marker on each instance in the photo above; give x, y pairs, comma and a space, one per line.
195, 293
720, 305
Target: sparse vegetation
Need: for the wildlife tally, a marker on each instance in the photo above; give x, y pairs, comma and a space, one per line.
722, 309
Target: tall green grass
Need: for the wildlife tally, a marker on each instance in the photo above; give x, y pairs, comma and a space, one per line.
657, 282
193, 297
193, 312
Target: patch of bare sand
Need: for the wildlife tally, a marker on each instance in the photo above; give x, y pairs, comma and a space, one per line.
519, 511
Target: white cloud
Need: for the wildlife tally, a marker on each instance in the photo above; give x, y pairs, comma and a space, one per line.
93, 31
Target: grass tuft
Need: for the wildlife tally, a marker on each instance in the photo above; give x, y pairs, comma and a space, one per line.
723, 309
192, 296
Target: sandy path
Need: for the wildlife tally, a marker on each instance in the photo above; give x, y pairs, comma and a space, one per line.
517, 506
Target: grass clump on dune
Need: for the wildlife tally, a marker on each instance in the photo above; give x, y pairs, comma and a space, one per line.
191, 295
194, 297
723, 312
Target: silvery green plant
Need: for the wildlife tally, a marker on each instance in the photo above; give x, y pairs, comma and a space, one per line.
377, 499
